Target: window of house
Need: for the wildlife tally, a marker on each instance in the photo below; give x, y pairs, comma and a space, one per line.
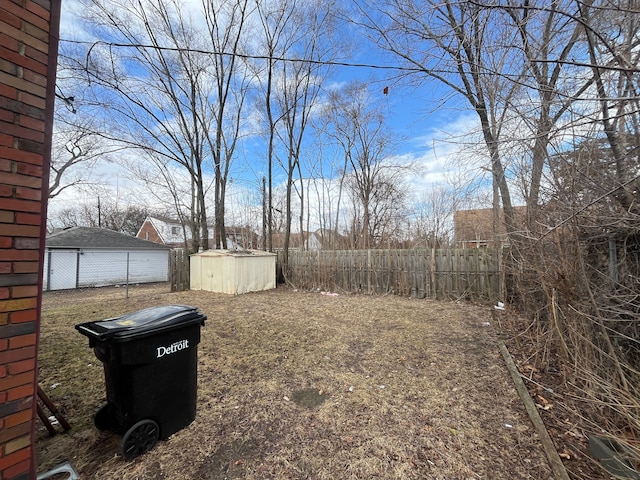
175, 230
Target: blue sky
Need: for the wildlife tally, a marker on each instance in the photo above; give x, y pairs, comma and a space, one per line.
414, 114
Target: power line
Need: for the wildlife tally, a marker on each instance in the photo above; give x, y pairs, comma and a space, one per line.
245, 56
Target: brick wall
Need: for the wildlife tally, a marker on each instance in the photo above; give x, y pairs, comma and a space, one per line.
28, 51
148, 232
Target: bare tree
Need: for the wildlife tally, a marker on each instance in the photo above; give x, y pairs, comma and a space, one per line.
358, 126
612, 37
274, 17
166, 89
75, 151
226, 22
457, 44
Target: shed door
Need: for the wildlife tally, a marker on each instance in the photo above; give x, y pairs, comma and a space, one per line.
62, 269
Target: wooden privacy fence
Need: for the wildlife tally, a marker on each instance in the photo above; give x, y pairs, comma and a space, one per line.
179, 268
433, 273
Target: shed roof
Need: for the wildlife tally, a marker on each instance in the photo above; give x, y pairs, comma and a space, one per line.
234, 253
93, 237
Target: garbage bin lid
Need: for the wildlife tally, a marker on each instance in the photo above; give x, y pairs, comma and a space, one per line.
142, 322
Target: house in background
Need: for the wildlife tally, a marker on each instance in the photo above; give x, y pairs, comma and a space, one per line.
164, 230
90, 257
474, 228
169, 231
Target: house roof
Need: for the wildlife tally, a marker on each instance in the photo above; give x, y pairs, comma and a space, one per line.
93, 237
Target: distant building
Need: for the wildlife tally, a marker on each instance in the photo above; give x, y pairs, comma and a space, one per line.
89, 256
169, 231
164, 230
474, 228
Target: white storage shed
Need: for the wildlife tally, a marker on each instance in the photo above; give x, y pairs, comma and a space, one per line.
233, 271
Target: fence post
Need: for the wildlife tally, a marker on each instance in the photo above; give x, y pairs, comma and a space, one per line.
127, 281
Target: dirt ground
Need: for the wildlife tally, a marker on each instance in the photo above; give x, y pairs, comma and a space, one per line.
303, 385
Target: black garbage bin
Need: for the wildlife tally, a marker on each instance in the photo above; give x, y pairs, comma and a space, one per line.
150, 360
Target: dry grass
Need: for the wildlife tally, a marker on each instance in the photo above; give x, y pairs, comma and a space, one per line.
301, 385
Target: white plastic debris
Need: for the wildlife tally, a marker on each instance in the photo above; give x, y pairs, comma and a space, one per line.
508, 425
499, 306
351, 388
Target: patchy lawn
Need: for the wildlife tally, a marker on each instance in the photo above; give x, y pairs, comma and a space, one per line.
297, 385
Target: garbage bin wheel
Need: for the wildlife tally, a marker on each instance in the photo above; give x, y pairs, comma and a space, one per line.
139, 439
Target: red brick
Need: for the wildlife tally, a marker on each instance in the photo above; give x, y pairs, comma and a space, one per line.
3, 371
18, 380
4, 344
26, 267
19, 205
20, 155
23, 316
5, 267
24, 291
4, 293
33, 100
6, 242
21, 132
36, 32
30, 17
23, 61
14, 458
15, 230
5, 164
6, 140
9, 92
24, 391
9, 42
18, 469
19, 255
24, 37
27, 219
18, 418
29, 231
21, 180
6, 191
7, 116
12, 20
4, 319
23, 366
29, 169
3, 397
35, 78
7, 356
38, 10
35, 55
22, 341
30, 193
31, 123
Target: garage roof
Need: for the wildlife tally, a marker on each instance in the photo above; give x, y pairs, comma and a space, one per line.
93, 237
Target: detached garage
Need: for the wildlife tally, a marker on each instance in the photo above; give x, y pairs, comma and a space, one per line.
91, 257
233, 271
